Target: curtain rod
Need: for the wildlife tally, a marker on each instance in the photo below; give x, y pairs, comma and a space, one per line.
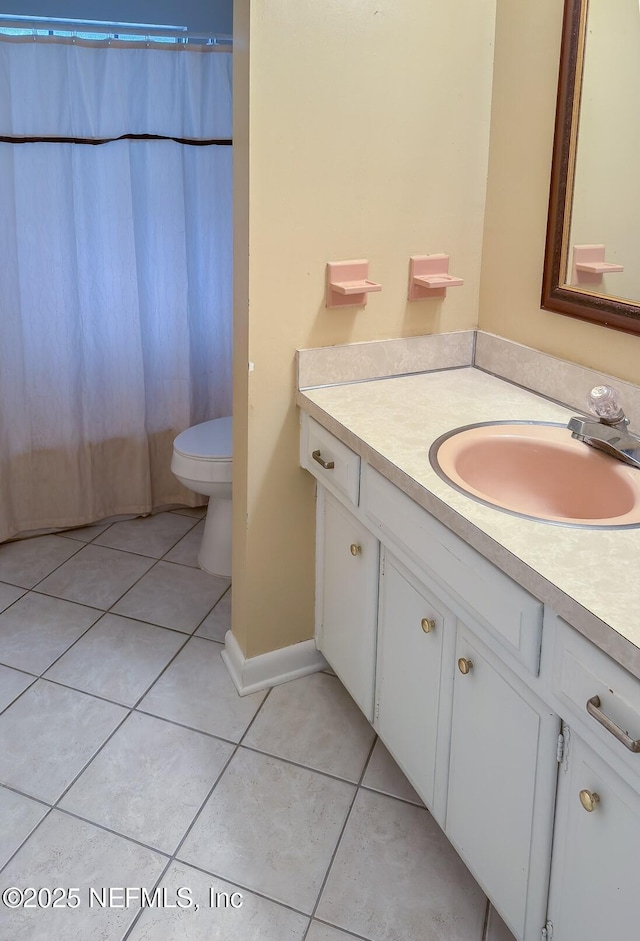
41, 26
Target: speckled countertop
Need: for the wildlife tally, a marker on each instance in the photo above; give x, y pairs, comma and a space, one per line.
590, 577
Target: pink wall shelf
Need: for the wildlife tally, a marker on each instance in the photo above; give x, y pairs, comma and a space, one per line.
429, 277
348, 284
589, 264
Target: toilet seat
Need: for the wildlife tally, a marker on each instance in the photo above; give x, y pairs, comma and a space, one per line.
203, 452
208, 441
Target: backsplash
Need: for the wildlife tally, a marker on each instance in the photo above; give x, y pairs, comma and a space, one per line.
557, 379
377, 359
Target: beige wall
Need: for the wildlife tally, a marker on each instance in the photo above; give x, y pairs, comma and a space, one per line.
523, 110
361, 130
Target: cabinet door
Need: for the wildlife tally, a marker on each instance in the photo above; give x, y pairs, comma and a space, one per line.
410, 638
595, 868
347, 591
502, 778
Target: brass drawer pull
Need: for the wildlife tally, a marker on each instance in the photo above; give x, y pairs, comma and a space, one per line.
589, 800
428, 625
593, 708
328, 465
355, 549
465, 666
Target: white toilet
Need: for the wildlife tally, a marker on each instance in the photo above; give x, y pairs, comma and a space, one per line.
202, 462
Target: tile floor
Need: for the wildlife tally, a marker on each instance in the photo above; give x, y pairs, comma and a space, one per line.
128, 761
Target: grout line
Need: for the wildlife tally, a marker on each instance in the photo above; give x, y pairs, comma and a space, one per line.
339, 840
29, 834
485, 924
187, 728
16, 698
347, 934
54, 569
93, 756
108, 609
186, 834
404, 800
213, 875
298, 764
101, 826
174, 856
16, 790
25, 591
155, 886
158, 558
87, 542
127, 552
129, 710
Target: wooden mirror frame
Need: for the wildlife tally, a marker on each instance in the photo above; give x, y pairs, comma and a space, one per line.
557, 295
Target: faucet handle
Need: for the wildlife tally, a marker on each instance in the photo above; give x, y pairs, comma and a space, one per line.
604, 401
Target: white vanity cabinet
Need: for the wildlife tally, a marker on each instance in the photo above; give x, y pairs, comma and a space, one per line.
502, 779
413, 631
347, 598
595, 873
445, 655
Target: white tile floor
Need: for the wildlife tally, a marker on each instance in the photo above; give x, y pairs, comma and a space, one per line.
128, 760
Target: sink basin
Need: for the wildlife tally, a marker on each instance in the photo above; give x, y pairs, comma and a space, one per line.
540, 472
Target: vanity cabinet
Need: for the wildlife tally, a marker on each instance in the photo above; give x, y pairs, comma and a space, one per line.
347, 598
596, 859
447, 657
502, 778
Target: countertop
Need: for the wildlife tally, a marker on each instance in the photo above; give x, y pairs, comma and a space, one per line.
590, 577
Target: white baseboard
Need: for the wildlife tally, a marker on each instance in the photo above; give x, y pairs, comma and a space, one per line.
270, 669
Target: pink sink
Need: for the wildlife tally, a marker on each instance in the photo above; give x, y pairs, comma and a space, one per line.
540, 471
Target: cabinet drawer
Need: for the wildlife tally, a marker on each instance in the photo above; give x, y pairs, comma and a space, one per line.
506, 610
582, 672
329, 460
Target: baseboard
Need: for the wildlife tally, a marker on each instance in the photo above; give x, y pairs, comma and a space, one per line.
270, 669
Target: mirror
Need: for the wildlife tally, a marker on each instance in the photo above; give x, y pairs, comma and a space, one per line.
592, 260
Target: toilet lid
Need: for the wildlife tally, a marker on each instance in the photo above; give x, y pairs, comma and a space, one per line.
210, 440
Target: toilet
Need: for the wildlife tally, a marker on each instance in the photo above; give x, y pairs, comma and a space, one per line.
202, 462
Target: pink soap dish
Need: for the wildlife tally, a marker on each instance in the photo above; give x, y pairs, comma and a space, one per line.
348, 284
429, 277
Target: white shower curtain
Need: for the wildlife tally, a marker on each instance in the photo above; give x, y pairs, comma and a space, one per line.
115, 275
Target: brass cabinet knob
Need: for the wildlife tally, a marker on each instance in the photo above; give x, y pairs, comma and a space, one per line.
589, 800
355, 549
465, 665
428, 625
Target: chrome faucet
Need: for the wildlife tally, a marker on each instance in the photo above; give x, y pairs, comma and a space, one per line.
609, 432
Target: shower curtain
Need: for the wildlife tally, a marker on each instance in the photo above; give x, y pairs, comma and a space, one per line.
115, 273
